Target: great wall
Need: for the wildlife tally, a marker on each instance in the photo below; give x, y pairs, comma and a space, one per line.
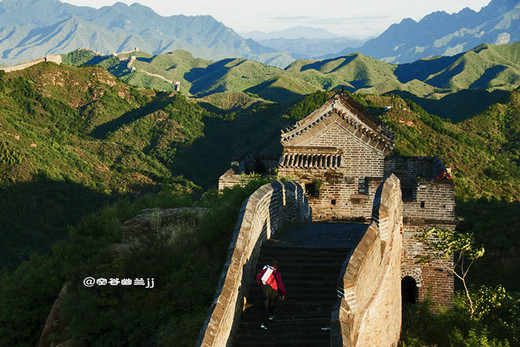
339, 163
368, 308
58, 60
48, 58
339, 157
129, 66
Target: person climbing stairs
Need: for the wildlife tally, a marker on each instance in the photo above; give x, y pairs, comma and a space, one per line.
310, 258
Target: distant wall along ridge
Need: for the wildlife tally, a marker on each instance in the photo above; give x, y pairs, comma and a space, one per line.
48, 58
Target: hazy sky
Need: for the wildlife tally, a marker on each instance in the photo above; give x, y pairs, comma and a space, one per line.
360, 18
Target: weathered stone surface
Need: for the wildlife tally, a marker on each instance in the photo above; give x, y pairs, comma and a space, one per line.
370, 313
54, 323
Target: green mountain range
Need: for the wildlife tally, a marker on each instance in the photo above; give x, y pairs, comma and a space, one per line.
469, 81
72, 139
88, 130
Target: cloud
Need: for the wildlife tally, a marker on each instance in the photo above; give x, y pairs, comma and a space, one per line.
291, 18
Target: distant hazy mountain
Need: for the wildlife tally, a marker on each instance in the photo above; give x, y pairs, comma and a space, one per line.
303, 42
304, 48
32, 28
291, 33
443, 34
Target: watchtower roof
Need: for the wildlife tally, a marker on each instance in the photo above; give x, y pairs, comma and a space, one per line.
342, 109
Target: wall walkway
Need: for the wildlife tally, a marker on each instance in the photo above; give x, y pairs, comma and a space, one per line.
261, 215
49, 58
368, 311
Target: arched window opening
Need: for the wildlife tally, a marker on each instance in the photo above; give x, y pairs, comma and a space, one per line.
409, 290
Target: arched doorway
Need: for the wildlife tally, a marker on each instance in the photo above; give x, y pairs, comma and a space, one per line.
409, 290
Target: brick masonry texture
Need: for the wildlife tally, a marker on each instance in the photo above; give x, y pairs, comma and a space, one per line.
260, 216
429, 202
369, 310
432, 280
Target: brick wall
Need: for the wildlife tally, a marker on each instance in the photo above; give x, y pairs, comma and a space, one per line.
260, 216
359, 159
432, 280
368, 312
338, 196
229, 179
428, 202
433, 199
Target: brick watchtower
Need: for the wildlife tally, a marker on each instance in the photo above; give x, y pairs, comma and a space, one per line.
340, 154
428, 201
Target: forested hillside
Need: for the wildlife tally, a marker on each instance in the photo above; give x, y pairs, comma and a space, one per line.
74, 139
483, 151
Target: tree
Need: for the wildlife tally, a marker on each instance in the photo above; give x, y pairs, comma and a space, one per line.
442, 244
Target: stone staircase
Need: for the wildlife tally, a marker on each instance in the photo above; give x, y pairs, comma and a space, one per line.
310, 258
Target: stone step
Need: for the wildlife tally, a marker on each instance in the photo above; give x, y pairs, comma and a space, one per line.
290, 254
295, 308
253, 315
270, 245
310, 268
267, 338
317, 268
291, 325
288, 266
297, 292
297, 331
304, 277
